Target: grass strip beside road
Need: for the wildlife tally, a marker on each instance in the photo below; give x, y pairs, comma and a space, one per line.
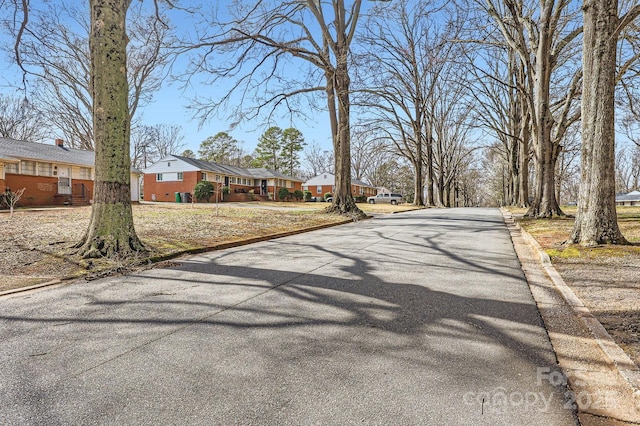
552, 234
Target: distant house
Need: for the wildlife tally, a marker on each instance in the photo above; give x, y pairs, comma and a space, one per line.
325, 182
52, 174
630, 199
176, 174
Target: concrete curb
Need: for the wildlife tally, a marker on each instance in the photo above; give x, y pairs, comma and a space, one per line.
624, 365
162, 258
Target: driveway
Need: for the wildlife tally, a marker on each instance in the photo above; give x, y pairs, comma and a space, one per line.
416, 318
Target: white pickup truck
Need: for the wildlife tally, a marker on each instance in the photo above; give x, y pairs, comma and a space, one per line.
385, 198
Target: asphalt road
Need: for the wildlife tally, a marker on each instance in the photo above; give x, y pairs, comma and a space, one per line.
419, 318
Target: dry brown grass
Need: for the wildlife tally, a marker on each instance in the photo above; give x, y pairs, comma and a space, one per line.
37, 245
553, 233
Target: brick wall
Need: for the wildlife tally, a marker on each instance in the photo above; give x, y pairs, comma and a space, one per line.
40, 190
166, 191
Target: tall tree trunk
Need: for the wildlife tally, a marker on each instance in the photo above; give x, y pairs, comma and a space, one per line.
418, 185
523, 192
545, 204
343, 201
111, 231
596, 219
430, 178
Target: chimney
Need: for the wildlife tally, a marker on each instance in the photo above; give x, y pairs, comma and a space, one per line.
59, 142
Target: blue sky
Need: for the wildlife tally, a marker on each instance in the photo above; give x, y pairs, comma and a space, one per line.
169, 106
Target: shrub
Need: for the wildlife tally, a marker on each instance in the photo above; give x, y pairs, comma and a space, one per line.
298, 194
226, 190
283, 194
360, 198
203, 191
327, 195
307, 195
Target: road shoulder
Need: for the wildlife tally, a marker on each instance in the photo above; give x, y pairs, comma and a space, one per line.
603, 380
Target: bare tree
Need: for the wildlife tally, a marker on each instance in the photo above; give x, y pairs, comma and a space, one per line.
596, 219
317, 160
543, 34
54, 50
21, 120
11, 198
264, 35
406, 50
501, 109
151, 143
366, 147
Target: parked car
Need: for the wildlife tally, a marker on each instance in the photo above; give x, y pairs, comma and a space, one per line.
385, 198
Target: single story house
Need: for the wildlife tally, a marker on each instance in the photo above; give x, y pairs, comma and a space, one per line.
51, 174
325, 182
176, 174
630, 199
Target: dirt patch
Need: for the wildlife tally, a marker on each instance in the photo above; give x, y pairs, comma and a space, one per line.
37, 245
605, 278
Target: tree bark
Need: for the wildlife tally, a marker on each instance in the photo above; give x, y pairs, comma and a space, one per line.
523, 192
343, 201
596, 219
545, 204
430, 178
111, 230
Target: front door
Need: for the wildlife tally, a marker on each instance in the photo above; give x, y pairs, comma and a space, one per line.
263, 187
64, 180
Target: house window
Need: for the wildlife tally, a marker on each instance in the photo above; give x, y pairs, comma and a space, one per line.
203, 176
305, 188
179, 175
85, 173
28, 167
319, 189
44, 169
217, 178
233, 179
244, 181
11, 168
158, 177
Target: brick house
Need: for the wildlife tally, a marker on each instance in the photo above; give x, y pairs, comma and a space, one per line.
51, 174
325, 182
176, 174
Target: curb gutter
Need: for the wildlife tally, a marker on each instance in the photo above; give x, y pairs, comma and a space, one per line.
162, 258
616, 357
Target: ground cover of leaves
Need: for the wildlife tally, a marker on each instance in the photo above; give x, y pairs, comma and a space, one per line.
605, 278
37, 245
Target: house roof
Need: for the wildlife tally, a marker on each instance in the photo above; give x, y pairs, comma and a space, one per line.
262, 173
632, 196
209, 166
330, 179
321, 179
15, 150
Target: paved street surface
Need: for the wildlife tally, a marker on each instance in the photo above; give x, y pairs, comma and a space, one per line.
419, 318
